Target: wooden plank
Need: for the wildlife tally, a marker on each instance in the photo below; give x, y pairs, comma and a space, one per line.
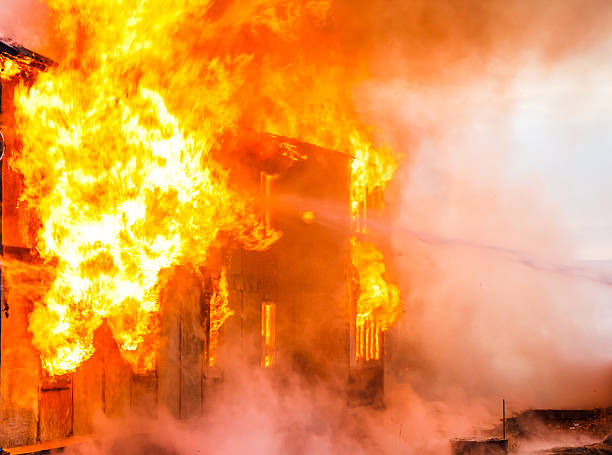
144, 394
251, 320
192, 346
88, 389
117, 378
169, 363
230, 346
55, 413
50, 446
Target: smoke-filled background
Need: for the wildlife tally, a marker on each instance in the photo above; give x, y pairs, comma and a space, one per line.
499, 218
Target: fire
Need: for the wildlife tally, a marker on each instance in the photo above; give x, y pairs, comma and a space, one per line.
117, 143
371, 169
219, 312
123, 194
10, 67
378, 305
268, 334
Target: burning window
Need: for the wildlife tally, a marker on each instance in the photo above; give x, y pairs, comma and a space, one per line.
368, 341
377, 301
268, 334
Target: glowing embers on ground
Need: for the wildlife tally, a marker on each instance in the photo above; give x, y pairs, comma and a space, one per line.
219, 312
378, 304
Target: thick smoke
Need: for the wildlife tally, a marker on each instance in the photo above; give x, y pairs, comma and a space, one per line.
496, 302
258, 416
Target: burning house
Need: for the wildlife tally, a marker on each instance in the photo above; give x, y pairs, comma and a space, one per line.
151, 315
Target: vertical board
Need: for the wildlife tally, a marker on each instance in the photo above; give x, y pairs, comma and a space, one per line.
192, 347
169, 363
144, 394
55, 420
252, 327
182, 352
117, 378
88, 389
87, 396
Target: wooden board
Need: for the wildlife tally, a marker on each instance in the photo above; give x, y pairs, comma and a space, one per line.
192, 347
88, 390
117, 378
144, 394
55, 413
169, 363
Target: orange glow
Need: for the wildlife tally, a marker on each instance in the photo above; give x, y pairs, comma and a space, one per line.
268, 334
118, 141
371, 169
308, 217
219, 312
378, 304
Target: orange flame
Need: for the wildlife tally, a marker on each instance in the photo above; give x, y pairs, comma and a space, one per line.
219, 312
379, 304
371, 169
